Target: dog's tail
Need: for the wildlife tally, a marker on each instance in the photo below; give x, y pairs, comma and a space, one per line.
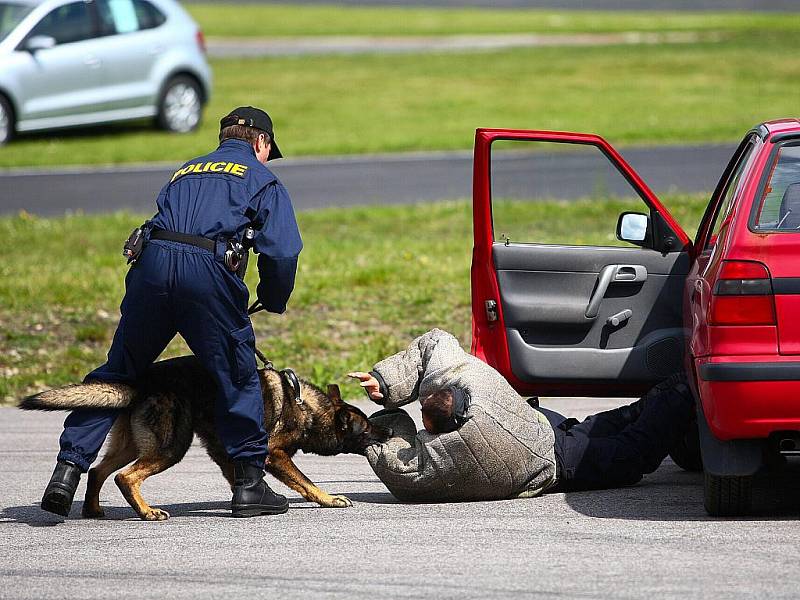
94, 394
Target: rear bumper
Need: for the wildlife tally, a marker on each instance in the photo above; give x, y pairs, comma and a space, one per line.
751, 398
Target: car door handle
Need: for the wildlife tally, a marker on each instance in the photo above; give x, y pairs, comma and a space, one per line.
92, 62
613, 274
630, 274
603, 281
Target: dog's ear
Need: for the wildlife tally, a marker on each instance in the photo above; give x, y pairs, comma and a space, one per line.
333, 393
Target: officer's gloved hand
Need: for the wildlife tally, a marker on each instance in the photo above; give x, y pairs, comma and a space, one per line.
276, 282
270, 301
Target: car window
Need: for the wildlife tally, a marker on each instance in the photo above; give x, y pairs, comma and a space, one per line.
149, 16
125, 16
779, 207
68, 23
729, 194
526, 173
11, 15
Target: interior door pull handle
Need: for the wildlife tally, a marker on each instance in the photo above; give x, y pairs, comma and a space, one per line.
613, 274
603, 281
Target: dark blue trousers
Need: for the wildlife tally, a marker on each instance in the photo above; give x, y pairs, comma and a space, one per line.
178, 288
616, 448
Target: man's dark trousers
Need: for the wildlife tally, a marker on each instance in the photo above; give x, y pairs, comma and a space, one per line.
617, 447
179, 288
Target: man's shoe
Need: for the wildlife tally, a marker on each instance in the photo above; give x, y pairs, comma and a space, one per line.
58, 495
251, 494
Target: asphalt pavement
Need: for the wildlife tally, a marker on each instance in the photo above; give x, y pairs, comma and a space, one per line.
649, 540
360, 180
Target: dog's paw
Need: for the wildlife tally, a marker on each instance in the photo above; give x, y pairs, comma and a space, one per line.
92, 513
339, 502
155, 514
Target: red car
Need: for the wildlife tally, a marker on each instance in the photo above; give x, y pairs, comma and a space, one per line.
611, 320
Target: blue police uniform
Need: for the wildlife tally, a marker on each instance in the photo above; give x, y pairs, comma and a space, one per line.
181, 288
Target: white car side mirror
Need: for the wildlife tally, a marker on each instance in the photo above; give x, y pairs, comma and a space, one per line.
39, 42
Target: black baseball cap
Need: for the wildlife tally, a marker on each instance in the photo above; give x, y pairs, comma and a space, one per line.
252, 117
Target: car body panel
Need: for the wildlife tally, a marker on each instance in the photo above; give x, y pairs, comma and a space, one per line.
757, 395
103, 79
60, 81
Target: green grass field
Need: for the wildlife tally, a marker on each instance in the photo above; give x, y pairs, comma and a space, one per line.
387, 103
291, 20
370, 279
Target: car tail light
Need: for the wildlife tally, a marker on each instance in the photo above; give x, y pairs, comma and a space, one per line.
742, 295
201, 41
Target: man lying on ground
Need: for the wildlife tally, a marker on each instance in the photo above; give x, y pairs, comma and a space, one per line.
483, 441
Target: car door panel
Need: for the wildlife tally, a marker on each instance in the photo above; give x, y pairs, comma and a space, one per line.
60, 81
576, 320
545, 292
129, 53
128, 61
64, 80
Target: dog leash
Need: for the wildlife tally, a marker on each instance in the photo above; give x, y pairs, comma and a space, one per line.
288, 374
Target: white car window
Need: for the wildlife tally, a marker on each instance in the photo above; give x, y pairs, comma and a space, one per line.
123, 15
149, 16
68, 23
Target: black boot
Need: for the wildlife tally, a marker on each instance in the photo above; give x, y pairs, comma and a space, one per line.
251, 494
61, 489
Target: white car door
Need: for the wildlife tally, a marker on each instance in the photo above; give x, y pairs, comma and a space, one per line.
129, 51
64, 82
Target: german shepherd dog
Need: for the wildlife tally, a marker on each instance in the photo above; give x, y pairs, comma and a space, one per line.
176, 400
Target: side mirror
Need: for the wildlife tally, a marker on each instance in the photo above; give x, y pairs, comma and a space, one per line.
39, 42
634, 228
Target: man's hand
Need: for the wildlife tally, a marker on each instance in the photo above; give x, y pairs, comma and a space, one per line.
369, 383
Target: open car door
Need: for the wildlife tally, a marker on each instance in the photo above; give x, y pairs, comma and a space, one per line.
557, 317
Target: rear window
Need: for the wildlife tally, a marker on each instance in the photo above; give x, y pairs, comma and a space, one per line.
125, 16
149, 16
779, 207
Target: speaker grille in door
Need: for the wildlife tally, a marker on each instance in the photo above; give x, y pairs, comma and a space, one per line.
665, 356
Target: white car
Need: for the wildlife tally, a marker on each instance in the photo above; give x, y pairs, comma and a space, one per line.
65, 63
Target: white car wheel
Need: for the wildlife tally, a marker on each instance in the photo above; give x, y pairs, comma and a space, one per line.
6, 121
181, 105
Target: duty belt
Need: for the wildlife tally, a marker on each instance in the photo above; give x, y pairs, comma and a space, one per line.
184, 238
236, 253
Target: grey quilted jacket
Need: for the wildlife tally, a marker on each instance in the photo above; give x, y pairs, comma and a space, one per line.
504, 450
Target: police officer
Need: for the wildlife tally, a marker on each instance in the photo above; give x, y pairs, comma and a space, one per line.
184, 281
